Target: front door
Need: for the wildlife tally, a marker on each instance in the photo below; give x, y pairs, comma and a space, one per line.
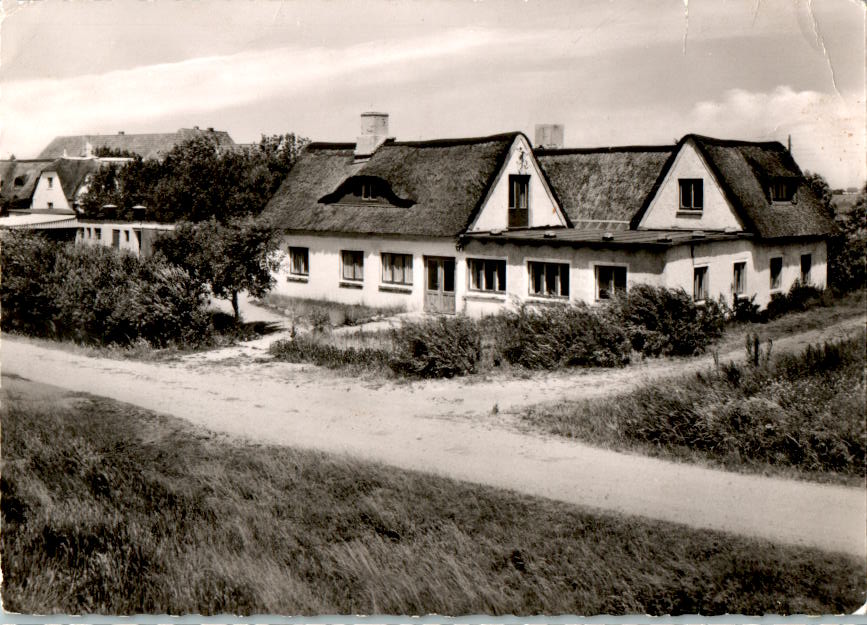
439, 291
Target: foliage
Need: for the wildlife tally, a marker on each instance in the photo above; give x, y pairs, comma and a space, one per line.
305, 348
229, 258
660, 321
97, 295
822, 190
105, 151
110, 509
560, 336
800, 297
439, 348
746, 310
803, 412
847, 254
197, 180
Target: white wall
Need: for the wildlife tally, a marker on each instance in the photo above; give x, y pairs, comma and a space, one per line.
44, 193
543, 210
663, 211
130, 234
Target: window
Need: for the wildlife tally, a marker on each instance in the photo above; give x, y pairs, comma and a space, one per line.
739, 279
50, 182
19, 181
699, 284
776, 272
98, 233
806, 265
549, 279
352, 265
299, 263
396, 268
81, 233
89, 233
115, 238
519, 201
610, 280
486, 274
51, 205
126, 235
367, 190
691, 194
782, 190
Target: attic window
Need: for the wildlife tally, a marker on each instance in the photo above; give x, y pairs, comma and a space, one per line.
19, 181
50, 182
367, 190
519, 201
782, 190
691, 194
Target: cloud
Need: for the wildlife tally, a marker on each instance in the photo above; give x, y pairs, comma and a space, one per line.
828, 131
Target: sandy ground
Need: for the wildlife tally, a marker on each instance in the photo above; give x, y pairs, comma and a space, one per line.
452, 428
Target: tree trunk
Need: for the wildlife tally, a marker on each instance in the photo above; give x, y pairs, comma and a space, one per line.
235, 306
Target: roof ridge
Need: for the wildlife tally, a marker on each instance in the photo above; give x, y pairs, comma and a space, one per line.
456, 140
607, 149
733, 142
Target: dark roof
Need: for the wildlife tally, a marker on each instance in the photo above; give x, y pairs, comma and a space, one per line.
571, 236
445, 181
603, 184
25, 170
154, 145
72, 173
744, 170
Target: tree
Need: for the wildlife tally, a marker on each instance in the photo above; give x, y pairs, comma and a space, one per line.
822, 190
229, 258
847, 254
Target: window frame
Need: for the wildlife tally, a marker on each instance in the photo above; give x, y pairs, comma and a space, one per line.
700, 270
518, 211
390, 256
296, 251
790, 186
737, 292
500, 285
775, 284
596, 283
806, 277
356, 267
692, 183
98, 233
50, 180
545, 295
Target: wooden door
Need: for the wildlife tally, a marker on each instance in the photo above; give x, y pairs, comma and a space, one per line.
439, 280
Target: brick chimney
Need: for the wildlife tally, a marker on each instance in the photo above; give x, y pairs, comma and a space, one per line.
549, 136
374, 132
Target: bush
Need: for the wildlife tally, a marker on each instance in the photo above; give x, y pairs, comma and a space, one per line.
560, 336
308, 349
661, 321
746, 310
800, 297
97, 295
440, 348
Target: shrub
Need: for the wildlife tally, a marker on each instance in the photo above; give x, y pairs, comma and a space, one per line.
304, 348
746, 310
800, 297
439, 348
97, 295
560, 336
661, 321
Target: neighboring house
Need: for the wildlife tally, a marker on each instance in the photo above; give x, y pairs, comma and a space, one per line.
136, 237
18, 179
470, 225
151, 145
62, 183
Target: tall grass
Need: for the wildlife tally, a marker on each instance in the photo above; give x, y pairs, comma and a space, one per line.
111, 509
802, 413
321, 314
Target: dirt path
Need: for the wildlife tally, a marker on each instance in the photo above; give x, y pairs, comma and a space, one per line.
450, 428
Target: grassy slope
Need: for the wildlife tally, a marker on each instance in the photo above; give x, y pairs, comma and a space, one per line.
799, 415
108, 508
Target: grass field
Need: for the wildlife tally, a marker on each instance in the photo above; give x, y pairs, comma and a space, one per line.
799, 415
111, 509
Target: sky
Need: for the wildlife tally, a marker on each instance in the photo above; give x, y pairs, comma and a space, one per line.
614, 72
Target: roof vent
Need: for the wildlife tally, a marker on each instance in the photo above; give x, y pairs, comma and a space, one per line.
374, 132
138, 212
549, 136
698, 234
607, 236
548, 234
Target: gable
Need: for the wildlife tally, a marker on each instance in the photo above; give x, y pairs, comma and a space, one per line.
543, 210
664, 210
49, 192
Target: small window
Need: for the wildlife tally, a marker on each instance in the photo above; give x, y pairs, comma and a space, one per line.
50, 182
98, 233
19, 181
367, 190
126, 235
739, 279
299, 261
609, 281
782, 190
549, 279
699, 284
691, 194
519, 201
115, 238
776, 272
487, 274
51, 205
806, 266
352, 265
396, 268
81, 233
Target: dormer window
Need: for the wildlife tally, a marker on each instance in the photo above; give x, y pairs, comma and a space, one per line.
367, 190
691, 194
19, 181
519, 201
782, 190
50, 182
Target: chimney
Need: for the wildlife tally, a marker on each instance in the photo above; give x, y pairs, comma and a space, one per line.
549, 136
138, 212
374, 132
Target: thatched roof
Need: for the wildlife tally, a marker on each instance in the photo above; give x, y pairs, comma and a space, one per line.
153, 145
72, 173
603, 184
442, 185
26, 173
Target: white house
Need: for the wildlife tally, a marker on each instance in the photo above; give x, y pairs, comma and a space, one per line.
471, 225
136, 237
